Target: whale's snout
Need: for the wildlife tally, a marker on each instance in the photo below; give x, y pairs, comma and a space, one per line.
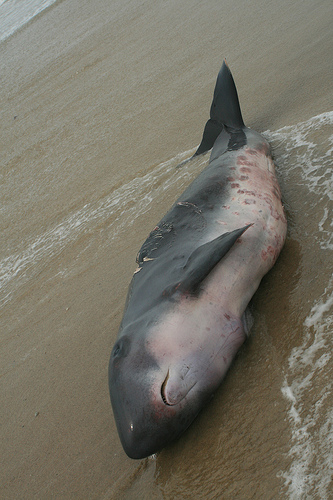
148, 415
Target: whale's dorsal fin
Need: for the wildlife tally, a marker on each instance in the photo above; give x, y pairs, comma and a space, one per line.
225, 110
203, 260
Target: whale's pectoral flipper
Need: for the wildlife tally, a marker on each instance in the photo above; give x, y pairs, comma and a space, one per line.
203, 260
225, 110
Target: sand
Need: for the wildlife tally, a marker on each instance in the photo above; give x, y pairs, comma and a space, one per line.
93, 95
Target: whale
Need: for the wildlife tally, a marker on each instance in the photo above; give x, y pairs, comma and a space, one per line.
186, 312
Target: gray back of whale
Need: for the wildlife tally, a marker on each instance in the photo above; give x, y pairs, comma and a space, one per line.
196, 274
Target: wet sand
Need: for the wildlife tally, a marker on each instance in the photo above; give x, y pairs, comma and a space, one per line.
92, 97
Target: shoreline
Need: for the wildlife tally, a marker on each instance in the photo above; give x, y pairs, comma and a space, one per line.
103, 96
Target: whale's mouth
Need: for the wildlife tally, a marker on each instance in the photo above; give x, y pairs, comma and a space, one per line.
163, 390
177, 385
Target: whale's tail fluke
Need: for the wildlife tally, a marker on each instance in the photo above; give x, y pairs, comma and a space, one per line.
224, 111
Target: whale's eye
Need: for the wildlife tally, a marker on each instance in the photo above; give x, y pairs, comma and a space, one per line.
121, 348
116, 350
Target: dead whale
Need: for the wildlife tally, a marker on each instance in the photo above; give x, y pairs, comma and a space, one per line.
197, 271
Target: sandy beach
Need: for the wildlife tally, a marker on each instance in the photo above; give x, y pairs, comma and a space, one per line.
100, 102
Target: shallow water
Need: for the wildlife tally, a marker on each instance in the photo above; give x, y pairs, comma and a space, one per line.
307, 387
99, 106
14, 14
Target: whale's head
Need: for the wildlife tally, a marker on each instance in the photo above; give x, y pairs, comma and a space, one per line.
160, 381
147, 418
